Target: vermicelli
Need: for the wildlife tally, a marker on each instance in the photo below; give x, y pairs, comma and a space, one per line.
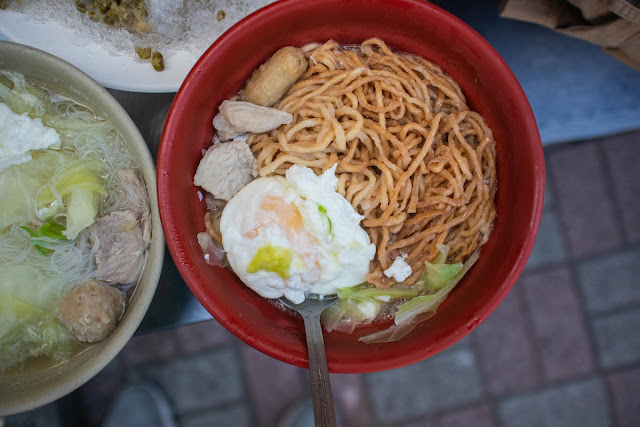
412, 157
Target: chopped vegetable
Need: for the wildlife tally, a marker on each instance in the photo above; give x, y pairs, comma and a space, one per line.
416, 310
344, 315
20, 183
130, 14
157, 61
49, 229
436, 276
143, 52
221, 15
409, 309
82, 211
326, 220
46, 185
27, 316
272, 258
367, 291
24, 99
78, 175
361, 304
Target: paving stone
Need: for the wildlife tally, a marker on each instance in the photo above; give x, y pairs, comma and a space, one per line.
352, 407
580, 181
139, 405
559, 328
476, 416
505, 351
98, 393
582, 403
611, 282
549, 198
622, 153
201, 336
549, 246
618, 339
201, 381
45, 416
238, 415
150, 348
625, 392
419, 422
444, 381
273, 385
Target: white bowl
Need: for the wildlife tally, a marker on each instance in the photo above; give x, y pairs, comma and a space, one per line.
28, 389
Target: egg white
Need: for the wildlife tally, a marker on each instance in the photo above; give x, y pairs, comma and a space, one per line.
302, 213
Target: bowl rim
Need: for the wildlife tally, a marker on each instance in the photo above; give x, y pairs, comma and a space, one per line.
62, 385
177, 246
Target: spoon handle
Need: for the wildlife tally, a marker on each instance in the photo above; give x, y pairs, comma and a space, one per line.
319, 374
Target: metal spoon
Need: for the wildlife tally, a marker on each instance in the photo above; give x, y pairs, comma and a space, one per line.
310, 310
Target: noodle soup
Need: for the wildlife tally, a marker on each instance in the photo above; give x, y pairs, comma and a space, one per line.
74, 226
392, 136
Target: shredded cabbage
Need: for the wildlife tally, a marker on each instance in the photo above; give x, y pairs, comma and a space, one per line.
361, 304
20, 183
83, 207
47, 186
420, 308
75, 175
28, 323
436, 276
344, 315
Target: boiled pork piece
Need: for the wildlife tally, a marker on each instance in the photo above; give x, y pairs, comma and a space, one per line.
136, 198
226, 168
119, 247
238, 117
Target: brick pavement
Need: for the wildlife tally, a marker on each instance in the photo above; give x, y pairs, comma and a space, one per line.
563, 349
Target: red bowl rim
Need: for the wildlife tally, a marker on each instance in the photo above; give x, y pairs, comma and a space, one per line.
177, 246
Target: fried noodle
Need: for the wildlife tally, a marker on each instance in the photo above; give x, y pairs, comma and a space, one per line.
412, 157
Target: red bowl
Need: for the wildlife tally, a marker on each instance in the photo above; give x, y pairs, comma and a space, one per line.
413, 26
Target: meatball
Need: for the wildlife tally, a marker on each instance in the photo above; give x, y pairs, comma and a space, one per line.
91, 311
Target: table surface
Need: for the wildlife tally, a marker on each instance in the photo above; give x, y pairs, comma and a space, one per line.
576, 92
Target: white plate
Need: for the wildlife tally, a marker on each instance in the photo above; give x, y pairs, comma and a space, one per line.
117, 72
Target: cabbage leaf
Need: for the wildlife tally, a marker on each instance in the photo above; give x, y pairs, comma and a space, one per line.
344, 315
28, 323
51, 230
20, 183
420, 308
361, 304
49, 184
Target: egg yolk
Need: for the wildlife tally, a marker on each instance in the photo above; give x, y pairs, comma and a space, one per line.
282, 213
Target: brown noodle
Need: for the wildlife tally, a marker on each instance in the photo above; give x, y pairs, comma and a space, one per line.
412, 158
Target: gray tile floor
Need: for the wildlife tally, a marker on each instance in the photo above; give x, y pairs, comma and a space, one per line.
563, 349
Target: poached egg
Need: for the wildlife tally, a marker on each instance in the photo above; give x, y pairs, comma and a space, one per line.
295, 235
